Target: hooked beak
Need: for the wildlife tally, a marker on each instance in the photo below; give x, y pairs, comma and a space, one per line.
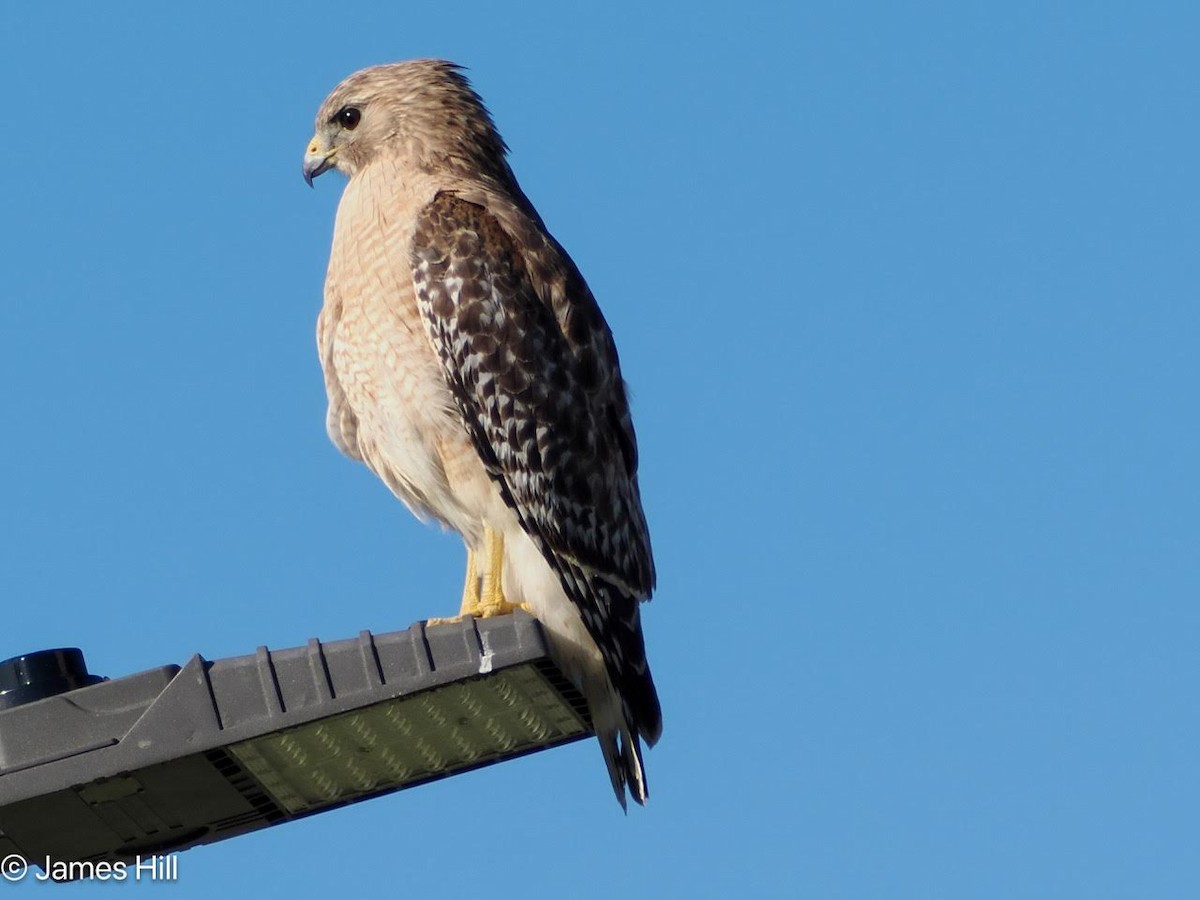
317, 160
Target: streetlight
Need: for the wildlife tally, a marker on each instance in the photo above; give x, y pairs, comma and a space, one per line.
107, 770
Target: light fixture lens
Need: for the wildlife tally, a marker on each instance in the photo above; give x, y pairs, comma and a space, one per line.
410, 739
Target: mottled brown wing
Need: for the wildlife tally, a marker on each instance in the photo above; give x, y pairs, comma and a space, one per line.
538, 383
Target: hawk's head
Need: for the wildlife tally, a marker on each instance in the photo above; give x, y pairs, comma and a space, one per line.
424, 108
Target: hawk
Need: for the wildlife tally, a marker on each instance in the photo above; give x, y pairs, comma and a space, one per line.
468, 365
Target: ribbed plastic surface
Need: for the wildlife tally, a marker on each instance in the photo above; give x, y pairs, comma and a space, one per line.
178, 756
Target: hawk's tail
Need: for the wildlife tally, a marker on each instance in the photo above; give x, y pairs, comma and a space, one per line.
632, 713
624, 652
623, 756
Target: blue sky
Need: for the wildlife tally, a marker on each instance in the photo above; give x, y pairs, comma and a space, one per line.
906, 294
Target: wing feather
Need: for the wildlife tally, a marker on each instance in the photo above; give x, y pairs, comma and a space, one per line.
534, 370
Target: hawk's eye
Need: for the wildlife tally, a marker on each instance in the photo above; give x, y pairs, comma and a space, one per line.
348, 117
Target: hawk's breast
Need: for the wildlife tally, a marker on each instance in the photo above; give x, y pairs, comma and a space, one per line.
389, 404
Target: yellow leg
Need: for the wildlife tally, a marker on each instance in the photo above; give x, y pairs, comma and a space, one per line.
491, 600
470, 597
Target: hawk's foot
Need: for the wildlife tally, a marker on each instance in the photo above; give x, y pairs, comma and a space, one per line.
490, 601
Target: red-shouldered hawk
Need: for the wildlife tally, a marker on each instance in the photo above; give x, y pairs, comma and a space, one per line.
468, 365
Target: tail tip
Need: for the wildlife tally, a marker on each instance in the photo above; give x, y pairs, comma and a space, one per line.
623, 757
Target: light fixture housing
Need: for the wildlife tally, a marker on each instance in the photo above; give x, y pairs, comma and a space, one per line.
179, 756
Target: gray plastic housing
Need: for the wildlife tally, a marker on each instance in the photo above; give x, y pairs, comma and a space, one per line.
143, 764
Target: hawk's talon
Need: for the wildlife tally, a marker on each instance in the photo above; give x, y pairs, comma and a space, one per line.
444, 620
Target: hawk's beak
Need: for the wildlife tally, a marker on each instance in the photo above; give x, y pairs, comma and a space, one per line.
317, 160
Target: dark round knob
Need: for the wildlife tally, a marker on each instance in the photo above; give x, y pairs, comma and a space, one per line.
45, 673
